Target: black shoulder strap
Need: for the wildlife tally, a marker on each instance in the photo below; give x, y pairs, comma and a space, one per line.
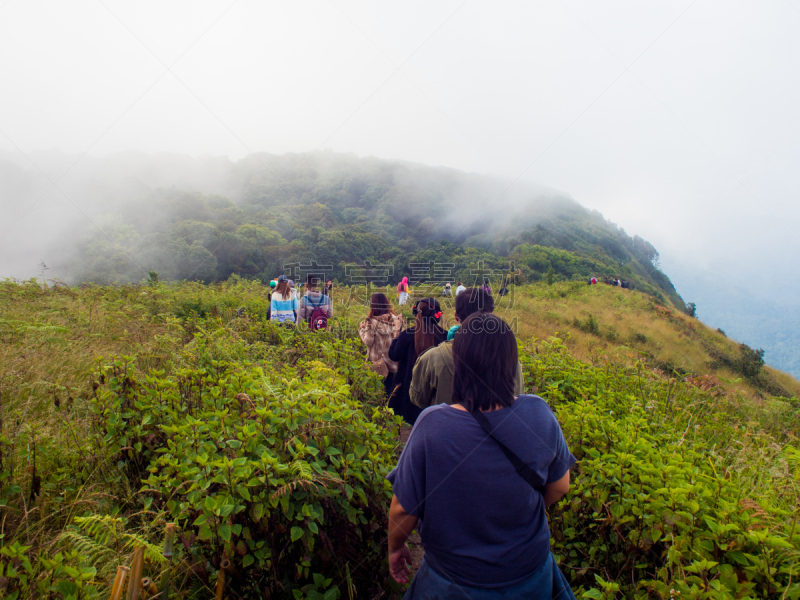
524, 470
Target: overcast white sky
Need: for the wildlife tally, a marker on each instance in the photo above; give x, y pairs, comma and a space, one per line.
676, 119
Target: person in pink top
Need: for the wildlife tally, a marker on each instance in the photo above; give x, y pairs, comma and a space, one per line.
402, 291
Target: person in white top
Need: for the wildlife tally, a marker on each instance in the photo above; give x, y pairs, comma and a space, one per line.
460, 288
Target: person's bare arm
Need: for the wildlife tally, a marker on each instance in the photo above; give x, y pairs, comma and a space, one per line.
553, 492
401, 524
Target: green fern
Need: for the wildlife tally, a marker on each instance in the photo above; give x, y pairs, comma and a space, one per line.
102, 539
792, 455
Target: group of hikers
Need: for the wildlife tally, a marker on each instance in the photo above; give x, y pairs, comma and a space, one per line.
478, 503
404, 289
483, 459
286, 306
615, 281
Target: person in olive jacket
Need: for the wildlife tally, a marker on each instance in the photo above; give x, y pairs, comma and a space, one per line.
432, 376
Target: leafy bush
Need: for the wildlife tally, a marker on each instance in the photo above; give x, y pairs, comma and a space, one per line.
750, 361
279, 470
664, 498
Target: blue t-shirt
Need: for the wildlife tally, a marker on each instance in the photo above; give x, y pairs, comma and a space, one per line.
482, 524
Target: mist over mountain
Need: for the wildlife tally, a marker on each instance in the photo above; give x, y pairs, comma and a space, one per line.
113, 220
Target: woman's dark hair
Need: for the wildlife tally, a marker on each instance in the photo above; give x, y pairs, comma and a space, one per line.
473, 300
427, 332
379, 305
485, 360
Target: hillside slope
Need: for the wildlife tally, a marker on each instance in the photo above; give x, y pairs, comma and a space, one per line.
599, 321
128, 407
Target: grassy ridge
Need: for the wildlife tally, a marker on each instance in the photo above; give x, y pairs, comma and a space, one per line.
686, 481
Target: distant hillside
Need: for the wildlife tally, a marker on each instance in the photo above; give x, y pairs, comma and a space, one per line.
207, 219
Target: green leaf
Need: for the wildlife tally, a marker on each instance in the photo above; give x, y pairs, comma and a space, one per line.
296, 533
248, 560
258, 512
243, 492
225, 532
593, 593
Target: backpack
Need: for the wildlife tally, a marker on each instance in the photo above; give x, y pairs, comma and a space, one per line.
319, 317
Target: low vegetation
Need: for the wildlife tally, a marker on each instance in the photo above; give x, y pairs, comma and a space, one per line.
127, 408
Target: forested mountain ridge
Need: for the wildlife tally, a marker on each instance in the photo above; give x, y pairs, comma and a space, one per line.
339, 210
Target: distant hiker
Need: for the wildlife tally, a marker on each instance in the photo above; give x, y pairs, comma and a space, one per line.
460, 288
484, 525
402, 291
432, 377
272, 285
447, 290
327, 289
377, 331
486, 287
283, 304
315, 308
503, 289
405, 349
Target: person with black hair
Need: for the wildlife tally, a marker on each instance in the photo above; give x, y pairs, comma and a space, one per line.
486, 287
314, 307
432, 377
504, 460
406, 347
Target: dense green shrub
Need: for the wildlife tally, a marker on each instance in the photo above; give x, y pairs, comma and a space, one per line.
660, 500
281, 470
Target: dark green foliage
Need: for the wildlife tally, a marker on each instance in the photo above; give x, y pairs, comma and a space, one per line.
750, 361
691, 309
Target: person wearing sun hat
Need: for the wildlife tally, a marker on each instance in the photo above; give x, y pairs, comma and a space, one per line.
405, 349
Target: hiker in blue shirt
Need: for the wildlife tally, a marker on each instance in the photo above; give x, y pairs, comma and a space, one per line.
315, 307
283, 304
475, 478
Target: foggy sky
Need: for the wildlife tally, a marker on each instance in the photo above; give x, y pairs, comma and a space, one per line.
677, 120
